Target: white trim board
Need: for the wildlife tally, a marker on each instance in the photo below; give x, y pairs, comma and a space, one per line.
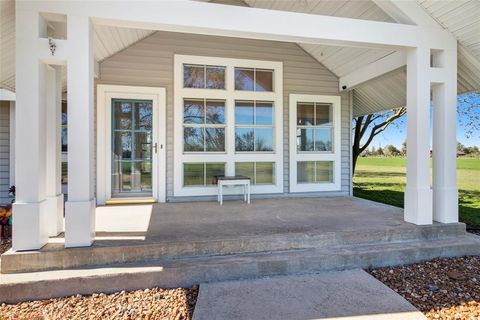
105, 94
229, 94
335, 156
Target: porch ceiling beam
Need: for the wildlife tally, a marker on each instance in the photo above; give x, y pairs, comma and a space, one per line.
373, 70
408, 12
255, 23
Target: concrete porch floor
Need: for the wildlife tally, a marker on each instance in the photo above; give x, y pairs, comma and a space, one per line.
193, 221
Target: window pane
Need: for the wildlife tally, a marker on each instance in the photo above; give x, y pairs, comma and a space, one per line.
126, 176
263, 139
264, 113
264, 80
193, 111
215, 112
305, 171
245, 169
324, 171
244, 139
214, 170
193, 174
305, 114
193, 76
243, 112
214, 139
143, 145
123, 115
143, 116
324, 114
193, 139
215, 77
304, 139
323, 139
122, 148
265, 173
244, 79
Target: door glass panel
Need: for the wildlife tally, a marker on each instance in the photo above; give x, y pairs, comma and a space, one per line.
132, 148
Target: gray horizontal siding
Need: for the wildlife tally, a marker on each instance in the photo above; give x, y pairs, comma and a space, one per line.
149, 62
4, 150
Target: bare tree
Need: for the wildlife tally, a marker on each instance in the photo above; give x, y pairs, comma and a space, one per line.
377, 122
469, 113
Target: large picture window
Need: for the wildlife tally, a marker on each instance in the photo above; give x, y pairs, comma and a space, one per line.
227, 117
315, 158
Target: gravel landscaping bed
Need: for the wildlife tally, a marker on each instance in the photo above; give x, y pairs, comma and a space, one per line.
440, 288
5, 245
153, 304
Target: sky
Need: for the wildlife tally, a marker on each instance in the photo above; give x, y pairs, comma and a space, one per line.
396, 134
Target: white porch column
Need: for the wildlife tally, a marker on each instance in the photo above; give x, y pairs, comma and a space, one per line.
54, 162
80, 208
30, 227
418, 194
445, 193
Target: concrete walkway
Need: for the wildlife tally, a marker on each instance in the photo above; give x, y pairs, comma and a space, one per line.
352, 294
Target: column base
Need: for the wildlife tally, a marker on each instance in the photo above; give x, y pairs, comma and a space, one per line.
445, 205
30, 226
418, 206
54, 208
79, 223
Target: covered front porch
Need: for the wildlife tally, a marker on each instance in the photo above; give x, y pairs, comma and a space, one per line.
428, 52
351, 231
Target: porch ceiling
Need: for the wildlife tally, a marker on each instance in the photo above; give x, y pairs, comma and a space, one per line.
462, 18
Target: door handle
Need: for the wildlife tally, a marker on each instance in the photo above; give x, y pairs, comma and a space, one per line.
155, 147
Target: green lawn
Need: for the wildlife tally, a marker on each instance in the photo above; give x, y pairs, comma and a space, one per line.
383, 180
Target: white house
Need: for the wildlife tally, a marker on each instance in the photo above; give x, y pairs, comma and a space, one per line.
165, 95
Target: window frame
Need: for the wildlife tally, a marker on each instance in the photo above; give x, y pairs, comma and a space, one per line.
334, 155
230, 95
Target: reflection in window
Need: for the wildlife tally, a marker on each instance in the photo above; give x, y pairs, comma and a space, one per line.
131, 146
202, 174
253, 126
64, 129
314, 171
258, 172
203, 76
314, 127
204, 125
251, 79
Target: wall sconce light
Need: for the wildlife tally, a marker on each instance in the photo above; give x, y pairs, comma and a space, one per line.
52, 46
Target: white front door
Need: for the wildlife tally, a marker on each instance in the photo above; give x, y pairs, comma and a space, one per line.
131, 153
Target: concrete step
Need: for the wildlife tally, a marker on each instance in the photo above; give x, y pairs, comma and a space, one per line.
182, 272
108, 252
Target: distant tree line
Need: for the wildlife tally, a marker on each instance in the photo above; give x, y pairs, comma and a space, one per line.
392, 151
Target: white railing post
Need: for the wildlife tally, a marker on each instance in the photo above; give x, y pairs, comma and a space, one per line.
418, 194
80, 207
30, 225
445, 192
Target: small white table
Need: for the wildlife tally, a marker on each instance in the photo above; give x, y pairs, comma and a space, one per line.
234, 181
